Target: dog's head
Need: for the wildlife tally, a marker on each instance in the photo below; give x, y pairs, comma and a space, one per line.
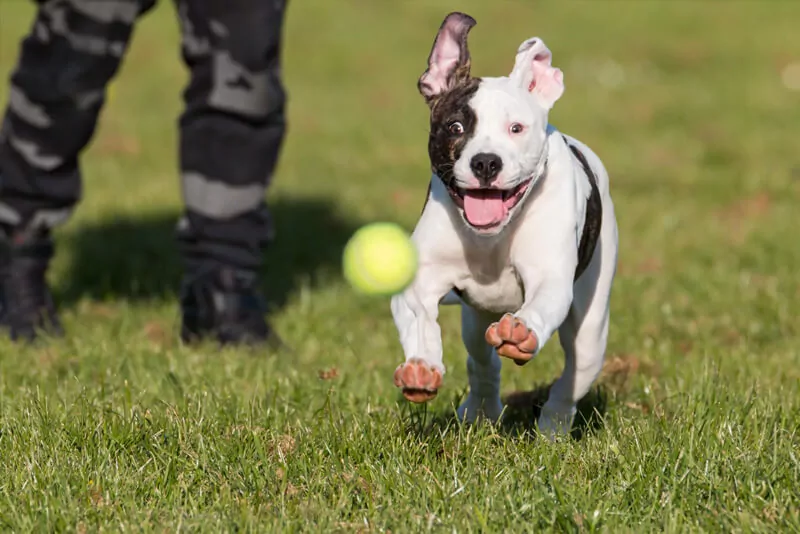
487, 135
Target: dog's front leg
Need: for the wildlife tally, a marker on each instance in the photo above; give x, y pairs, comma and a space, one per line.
520, 336
548, 297
415, 312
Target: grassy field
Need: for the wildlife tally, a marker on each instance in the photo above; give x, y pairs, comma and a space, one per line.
694, 426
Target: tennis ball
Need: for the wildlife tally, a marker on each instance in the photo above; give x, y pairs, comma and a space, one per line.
380, 259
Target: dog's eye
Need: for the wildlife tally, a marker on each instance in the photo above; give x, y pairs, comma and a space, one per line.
516, 128
456, 128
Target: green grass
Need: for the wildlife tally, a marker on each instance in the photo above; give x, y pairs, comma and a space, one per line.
693, 426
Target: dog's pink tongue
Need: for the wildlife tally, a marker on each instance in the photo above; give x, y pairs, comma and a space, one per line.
484, 207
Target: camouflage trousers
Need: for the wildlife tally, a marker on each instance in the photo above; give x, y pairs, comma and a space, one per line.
231, 128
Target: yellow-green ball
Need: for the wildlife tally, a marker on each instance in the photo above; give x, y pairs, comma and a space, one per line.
380, 259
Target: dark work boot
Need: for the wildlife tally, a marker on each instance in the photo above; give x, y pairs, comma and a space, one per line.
26, 306
224, 304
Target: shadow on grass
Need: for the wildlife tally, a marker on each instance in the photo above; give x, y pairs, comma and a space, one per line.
136, 258
521, 412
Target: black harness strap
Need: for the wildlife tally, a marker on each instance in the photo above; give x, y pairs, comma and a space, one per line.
427, 196
594, 216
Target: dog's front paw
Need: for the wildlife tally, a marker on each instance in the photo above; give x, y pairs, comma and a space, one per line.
512, 339
419, 381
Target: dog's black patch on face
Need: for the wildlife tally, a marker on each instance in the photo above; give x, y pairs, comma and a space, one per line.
445, 146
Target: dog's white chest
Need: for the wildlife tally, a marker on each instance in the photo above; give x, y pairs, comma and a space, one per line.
500, 293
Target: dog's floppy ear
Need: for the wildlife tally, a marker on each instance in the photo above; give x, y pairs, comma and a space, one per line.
448, 62
534, 72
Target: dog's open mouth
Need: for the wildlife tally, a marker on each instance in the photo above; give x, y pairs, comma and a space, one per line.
485, 208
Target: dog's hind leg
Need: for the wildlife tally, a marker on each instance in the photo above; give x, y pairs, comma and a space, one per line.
483, 367
583, 337
450, 299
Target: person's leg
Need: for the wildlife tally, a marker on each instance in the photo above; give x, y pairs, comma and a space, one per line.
57, 91
230, 137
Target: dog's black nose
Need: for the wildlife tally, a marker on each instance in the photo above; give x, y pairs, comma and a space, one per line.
485, 166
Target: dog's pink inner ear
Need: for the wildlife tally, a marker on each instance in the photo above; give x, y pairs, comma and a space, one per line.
547, 81
533, 71
444, 60
539, 68
449, 57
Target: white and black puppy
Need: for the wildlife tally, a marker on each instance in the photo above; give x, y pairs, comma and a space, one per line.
518, 228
